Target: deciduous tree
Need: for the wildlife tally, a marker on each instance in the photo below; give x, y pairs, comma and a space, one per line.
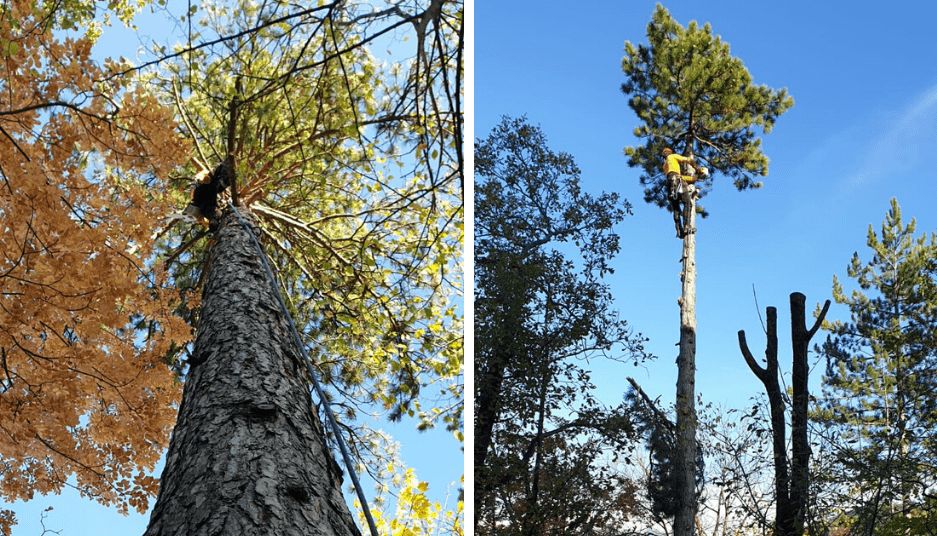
85, 315
543, 247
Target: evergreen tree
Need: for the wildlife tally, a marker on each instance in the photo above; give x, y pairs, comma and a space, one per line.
691, 93
878, 407
658, 430
543, 247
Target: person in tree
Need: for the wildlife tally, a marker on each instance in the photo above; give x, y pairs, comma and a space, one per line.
678, 183
208, 189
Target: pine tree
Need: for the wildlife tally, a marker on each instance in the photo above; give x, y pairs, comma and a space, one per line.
366, 246
659, 433
248, 454
691, 93
878, 406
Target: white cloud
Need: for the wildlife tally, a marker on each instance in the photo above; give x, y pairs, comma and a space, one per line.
905, 141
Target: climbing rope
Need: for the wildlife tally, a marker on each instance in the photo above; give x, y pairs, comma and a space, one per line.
312, 374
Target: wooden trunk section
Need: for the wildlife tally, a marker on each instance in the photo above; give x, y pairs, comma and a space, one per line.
248, 454
685, 458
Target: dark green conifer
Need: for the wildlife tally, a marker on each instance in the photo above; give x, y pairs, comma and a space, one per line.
879, 406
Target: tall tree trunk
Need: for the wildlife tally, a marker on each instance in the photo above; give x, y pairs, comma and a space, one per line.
685, 456
533, 517
487, 406
490, 374
800, 448
248, 453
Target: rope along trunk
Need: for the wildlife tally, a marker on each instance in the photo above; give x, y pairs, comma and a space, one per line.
346, 457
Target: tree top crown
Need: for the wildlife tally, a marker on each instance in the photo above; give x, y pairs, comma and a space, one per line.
690, 93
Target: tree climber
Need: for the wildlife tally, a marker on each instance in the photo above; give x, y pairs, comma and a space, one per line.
205, 196
680, 185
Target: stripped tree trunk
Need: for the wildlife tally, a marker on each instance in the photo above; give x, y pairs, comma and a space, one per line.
800, 448
769, 377
248, 454
791, 484
685, 456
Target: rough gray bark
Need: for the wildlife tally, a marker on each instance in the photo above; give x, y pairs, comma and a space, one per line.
790, 485
685, 456
248, 454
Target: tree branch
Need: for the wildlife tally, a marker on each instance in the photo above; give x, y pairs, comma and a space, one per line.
222, 39
816, 325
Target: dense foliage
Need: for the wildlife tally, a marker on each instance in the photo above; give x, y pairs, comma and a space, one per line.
878, 414
658, 431
692, 95
85, 316
542, 247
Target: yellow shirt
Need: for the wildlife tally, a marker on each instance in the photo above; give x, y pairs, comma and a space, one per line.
672, 163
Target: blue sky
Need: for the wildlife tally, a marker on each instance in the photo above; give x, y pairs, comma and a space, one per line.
862, 130
435, 455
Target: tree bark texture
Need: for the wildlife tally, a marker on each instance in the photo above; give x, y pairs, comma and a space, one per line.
791, 480
685, 456
248, 453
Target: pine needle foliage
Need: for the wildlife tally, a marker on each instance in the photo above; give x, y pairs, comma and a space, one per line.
692, 95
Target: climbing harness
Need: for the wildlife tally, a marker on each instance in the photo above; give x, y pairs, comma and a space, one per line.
346, 457
681, 190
